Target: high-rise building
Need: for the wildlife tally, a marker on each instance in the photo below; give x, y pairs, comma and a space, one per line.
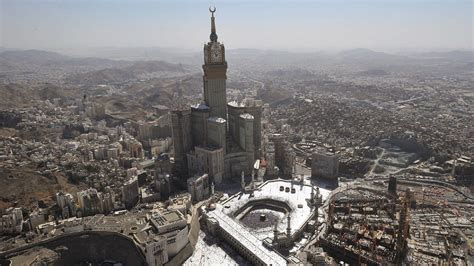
252, 107
198, 187
130, 195
90, 202
162, 175
392, 185
219, 138
66, 203
283, 156
182, 141
163, 164
12, 222
199, 116
215, 74
207, 160
216, 132
270, 160
324, 164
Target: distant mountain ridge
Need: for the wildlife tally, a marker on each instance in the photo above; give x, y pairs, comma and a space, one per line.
32, 64
35, 64
46, 58
134, 71
456, 55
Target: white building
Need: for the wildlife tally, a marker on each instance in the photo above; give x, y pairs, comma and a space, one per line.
173, 226
157, 251
198, 187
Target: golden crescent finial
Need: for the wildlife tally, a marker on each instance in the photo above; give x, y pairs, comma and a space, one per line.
212, 11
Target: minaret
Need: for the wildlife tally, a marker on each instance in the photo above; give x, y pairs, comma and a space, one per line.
318, 196
453, 170
253, 179
212, 188
215, 69
213, 35
288, 227
242, 182
275, 233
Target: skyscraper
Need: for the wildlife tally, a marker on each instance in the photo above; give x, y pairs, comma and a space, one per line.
215, 69
202, 132
182, 141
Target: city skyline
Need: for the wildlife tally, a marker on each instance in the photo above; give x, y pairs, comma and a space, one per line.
153, 157
308, 25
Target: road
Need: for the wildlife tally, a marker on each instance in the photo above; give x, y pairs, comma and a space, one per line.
259, 82
376, 162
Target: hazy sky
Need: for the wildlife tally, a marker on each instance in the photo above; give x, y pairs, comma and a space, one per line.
264, 24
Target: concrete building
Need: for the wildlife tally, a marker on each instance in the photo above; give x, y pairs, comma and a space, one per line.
270, 160
163, 164
207, 160
163, 185
157, 251
181, 202
136, 149
215, 68
239, 140
173, 226
324, 164
130, 192
161, 110
94, 110
198, 187
248, 106
392, 185
150, 130
284, 156
199, 115
216, 132
246, 132
66, 203
90, 202
182, 139
12, 222
37, 217
158, 146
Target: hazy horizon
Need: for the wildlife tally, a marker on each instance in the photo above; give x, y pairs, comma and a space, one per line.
280, 25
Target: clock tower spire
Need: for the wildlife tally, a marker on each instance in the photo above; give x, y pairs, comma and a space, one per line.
215, 73
213, 35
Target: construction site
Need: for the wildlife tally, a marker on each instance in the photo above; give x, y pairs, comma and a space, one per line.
397, 221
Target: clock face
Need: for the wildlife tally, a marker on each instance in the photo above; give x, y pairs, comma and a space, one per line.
216, 55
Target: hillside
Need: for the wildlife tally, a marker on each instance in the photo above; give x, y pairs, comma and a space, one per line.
138, 70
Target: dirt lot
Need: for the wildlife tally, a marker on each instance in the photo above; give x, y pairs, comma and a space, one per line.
25, 187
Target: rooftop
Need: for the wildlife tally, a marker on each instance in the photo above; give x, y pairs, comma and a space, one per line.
246, 116
168, 217
246, 238
216, 119
200, 106
300, 210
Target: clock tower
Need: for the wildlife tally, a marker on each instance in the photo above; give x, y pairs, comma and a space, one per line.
214, 78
